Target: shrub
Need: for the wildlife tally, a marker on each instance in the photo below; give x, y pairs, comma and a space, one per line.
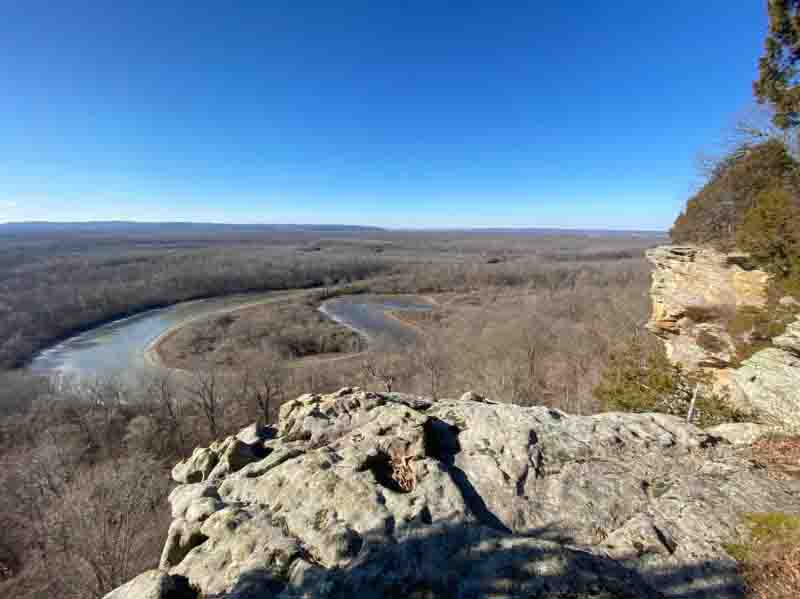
753, 329
640, 378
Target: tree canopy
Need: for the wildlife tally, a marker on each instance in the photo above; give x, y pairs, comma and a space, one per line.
770, 232
715, 213
778, 84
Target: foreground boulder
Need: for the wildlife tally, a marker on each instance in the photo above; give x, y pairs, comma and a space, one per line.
385, 495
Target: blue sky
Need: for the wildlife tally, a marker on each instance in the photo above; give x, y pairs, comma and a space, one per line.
401, 114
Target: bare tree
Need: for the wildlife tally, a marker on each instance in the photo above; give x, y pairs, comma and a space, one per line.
166, 397
380, 372
387, 369
270, 388
205, 391
432, 358
101, 531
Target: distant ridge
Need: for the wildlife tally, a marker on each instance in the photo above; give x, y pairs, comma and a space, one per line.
165, 227
195, 228
555, 231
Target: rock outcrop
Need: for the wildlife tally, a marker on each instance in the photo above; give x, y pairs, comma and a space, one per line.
369, 495
770, 379
694, 290
699, 295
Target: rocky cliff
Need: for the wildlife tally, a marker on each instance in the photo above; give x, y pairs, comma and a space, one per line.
360, 494
710, 308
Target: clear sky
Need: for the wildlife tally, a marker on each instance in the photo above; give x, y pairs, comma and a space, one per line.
401, 114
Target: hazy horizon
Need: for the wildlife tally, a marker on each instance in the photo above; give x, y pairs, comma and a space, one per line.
311, 225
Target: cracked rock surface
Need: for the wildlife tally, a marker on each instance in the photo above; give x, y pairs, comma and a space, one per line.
359, 494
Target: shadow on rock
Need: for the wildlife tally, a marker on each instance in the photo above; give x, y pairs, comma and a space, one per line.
472, 561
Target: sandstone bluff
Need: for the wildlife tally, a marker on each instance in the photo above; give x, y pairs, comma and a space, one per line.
359, 494
697, 294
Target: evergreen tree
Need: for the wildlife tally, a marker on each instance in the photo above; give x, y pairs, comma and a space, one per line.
640, 378
778, 83
713, 215
770, 232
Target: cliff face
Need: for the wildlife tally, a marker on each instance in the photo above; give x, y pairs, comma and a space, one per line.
705, 304
694, 291
370, 495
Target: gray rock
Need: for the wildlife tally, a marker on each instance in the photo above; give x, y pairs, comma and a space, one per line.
472, 396
217, 460
770, 380
790, 339
383, 495
183, 496
196, 468
740, 433
182, 537
154, 584
255, 434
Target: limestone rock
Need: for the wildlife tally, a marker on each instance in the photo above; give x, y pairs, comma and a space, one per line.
154, 584
183, 536
790, 340
384, 495
770, 380
184, 496
695, 293
740, 433
255, 434
218, 460
472, 396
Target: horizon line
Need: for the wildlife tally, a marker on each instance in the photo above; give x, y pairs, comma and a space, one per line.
330, 225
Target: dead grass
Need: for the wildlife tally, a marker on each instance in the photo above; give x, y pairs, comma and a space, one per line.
777, 578
780, 455
770, 560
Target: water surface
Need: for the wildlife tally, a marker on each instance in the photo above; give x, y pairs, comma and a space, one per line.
368, 315
117, 349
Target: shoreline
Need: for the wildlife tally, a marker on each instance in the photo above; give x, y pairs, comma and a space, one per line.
157, 352
153, 353
53, 342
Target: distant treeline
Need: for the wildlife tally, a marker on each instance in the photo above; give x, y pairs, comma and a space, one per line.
168, 228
